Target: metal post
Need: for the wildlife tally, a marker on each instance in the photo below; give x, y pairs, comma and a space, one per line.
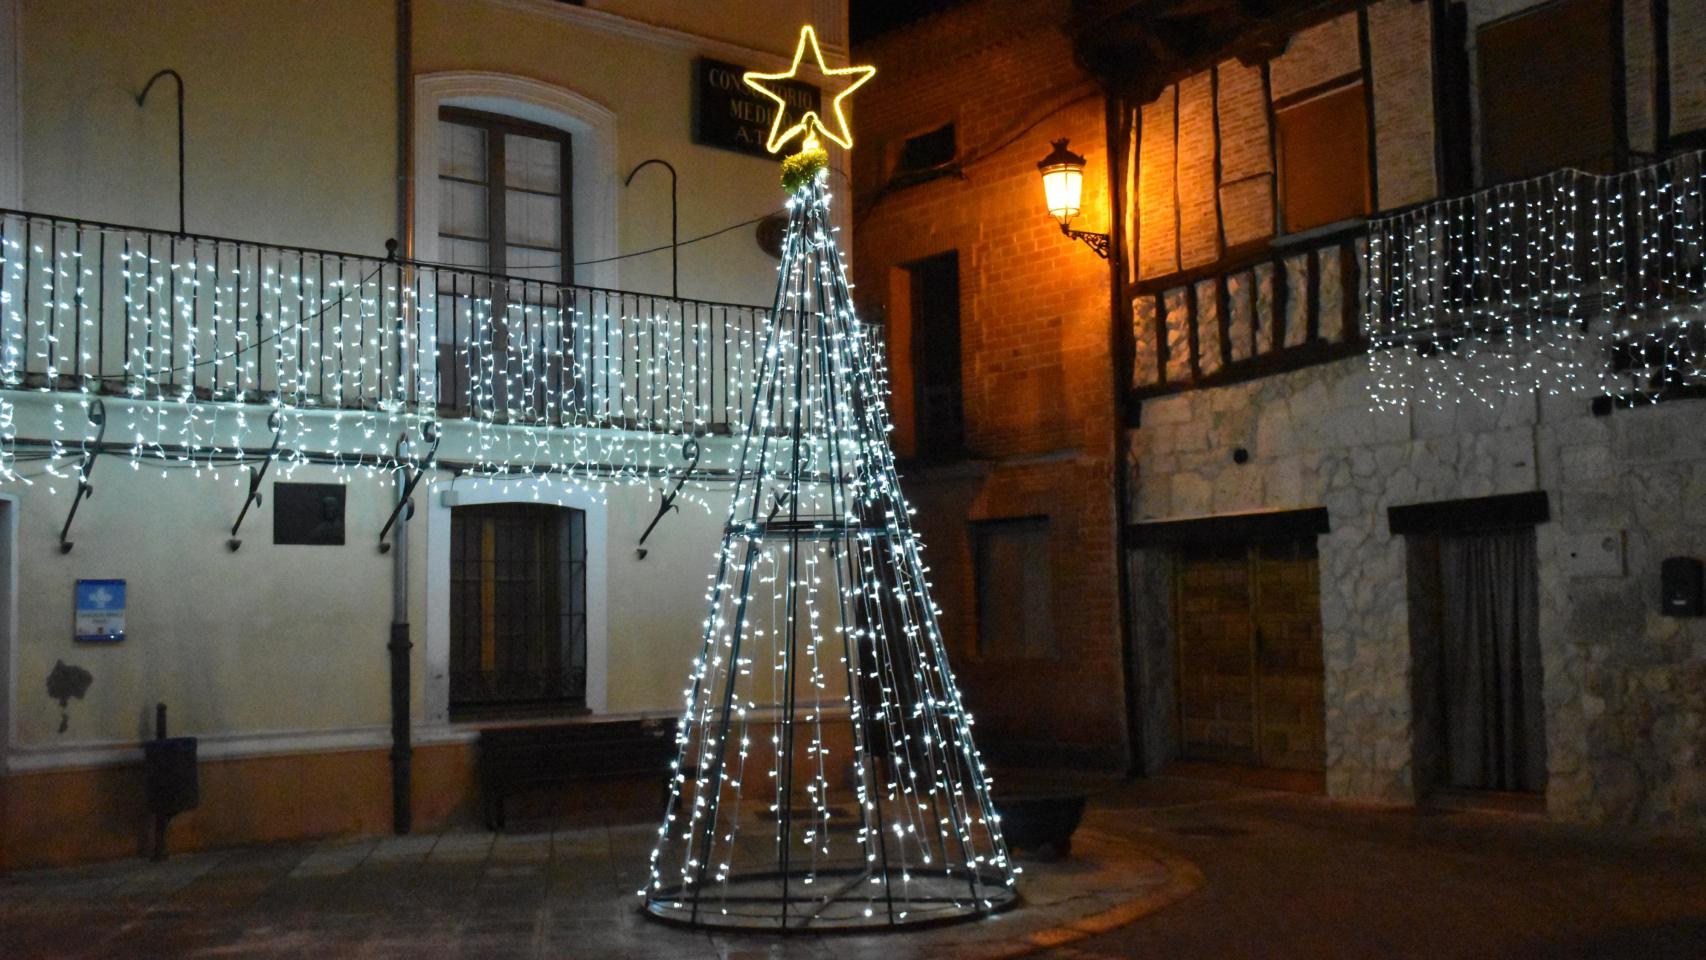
402, 811
674, 226
140, 99
400, 643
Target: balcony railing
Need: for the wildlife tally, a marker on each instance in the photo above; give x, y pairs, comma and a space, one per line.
1294, 302
1568, 280
122, 311
1564, 281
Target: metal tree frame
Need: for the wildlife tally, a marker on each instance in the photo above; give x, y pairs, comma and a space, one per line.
821, 623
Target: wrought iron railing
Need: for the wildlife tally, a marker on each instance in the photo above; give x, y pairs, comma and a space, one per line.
1564, 281
119, 310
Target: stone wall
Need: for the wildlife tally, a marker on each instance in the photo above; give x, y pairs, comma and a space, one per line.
1624, 688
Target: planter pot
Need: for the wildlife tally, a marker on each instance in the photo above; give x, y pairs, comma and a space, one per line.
1040, 824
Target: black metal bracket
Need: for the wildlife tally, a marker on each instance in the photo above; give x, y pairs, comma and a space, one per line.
1095, 241
142, 100
275, 420
690, 451
406, 503
674, 221
98, 417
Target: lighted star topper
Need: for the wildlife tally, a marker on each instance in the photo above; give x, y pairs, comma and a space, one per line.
810, 124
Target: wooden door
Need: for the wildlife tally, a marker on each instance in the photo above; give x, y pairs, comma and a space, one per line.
1290, 712
1248, 622
1216, 689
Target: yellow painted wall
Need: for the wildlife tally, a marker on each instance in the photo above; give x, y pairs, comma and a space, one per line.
649, 86
764, 24
292, 139
289, 106
269, 638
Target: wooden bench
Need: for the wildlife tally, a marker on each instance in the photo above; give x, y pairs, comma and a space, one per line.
517, 759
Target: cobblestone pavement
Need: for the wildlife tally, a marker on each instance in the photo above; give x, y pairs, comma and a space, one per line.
1281, 875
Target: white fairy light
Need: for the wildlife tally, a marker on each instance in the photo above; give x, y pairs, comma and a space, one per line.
190, 341
819, 623
1563, 284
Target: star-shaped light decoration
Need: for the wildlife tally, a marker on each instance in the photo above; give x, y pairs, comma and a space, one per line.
809, 124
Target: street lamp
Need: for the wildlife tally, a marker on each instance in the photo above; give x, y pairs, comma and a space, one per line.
1063, 187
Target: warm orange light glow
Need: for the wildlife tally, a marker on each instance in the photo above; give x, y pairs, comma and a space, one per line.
810, 123
1062, 188
1063, 182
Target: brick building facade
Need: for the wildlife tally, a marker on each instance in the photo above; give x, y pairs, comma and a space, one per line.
1284, 538
1035, 391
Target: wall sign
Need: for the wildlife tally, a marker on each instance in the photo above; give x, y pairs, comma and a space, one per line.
310, 514
729, 114
100, 611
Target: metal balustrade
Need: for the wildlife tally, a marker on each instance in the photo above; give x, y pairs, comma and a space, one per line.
1563, 281
117, 310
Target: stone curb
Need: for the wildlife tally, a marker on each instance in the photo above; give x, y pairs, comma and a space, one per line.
1183, 879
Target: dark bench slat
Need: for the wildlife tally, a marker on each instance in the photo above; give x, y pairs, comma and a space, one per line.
514, 759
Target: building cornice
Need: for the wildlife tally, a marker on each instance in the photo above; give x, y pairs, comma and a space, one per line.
658, 35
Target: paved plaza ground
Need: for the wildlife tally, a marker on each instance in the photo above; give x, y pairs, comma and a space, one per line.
1163, 868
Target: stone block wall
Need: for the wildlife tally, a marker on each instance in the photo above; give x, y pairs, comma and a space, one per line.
1624, 688
1035, 331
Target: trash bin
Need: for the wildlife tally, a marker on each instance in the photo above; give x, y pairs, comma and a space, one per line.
169, 778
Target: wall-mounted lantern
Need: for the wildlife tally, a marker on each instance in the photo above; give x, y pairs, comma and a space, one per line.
1063, 187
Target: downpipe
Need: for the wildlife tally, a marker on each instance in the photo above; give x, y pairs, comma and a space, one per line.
400, 644
402, 750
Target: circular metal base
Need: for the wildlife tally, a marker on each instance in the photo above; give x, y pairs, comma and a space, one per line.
835, 900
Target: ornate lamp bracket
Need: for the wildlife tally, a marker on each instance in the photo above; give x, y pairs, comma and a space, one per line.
1095, 241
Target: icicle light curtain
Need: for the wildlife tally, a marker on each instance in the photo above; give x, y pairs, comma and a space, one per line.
1565, 283
194, 341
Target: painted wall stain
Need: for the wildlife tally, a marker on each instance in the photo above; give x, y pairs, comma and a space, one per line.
64, 682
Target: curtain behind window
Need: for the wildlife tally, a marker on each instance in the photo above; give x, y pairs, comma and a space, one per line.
1494, 734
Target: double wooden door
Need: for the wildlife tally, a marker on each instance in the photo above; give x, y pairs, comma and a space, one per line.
1250, 671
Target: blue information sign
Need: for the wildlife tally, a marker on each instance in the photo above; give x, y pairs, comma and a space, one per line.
100, 611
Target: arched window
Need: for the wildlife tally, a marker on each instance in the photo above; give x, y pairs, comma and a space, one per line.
531, 108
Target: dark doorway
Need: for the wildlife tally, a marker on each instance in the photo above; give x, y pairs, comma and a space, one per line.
1474, 615
935, 283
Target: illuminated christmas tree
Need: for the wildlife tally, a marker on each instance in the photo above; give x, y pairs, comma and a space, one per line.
826, 775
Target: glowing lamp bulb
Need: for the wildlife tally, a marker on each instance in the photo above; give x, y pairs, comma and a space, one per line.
1063, 182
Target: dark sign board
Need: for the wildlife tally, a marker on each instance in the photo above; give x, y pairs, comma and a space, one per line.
310, 514
729, 114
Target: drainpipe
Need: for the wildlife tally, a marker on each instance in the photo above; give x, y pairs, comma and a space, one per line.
1120, 347
402, 811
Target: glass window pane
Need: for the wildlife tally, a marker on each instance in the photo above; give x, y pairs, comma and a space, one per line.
533, 164
533, 219
463, 253
534, 264
461, 151
462, 209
